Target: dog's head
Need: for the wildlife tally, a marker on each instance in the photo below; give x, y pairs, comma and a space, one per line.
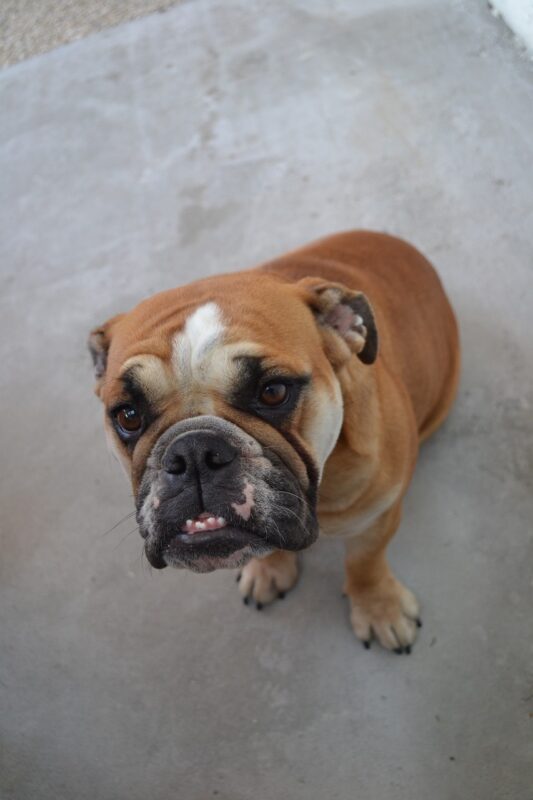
222, 402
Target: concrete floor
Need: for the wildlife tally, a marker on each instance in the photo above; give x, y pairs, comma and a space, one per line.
30, 27
204, 139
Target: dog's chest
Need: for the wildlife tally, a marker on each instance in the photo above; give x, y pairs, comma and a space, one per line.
343, 525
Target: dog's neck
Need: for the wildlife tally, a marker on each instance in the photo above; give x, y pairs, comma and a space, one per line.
351, 466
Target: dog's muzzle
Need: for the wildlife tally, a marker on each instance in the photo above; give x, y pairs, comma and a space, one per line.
211, 497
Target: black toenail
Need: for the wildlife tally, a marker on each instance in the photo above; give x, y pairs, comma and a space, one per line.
281, 596
259, 606
366, 645
407, 650
419, 623
398, 651
245, 600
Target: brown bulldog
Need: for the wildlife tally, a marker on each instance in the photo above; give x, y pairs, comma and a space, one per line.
253, 409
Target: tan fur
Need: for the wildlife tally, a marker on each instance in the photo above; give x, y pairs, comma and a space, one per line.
389, 408
383, 409
265, 579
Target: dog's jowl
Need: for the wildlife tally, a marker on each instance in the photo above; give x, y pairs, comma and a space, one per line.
254, 410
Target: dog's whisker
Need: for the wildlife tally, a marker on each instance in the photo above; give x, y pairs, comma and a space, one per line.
282, 537
292, 494
145, 565
133, 530
128, 516
282, 509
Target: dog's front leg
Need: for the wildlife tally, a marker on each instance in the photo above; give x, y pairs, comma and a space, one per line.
264, 580
380, 605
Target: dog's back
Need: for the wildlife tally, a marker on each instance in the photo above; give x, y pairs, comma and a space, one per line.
418, 333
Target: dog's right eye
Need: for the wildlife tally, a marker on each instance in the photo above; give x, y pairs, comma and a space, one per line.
128, 421
274, 394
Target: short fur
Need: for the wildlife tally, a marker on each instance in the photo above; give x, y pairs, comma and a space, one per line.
363, 320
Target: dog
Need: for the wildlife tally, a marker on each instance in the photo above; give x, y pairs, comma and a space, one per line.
253, 409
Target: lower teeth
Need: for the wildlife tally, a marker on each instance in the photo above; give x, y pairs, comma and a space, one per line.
205, 523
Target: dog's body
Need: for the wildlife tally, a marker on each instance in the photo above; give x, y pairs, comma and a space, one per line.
262, 401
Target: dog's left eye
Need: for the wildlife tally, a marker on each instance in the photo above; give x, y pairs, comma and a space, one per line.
128, 421
274, 394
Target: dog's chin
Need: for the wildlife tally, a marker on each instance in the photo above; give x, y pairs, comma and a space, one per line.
206, 552
236, 560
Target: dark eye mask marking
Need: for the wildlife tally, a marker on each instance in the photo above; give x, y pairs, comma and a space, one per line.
253, 378
135, 397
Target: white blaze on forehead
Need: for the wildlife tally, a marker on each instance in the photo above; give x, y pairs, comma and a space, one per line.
202, 362
193, 348
203, 330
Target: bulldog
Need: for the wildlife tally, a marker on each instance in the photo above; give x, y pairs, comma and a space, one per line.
254, 410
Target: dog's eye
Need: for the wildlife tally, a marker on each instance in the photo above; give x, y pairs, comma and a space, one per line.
274, 394
128, 420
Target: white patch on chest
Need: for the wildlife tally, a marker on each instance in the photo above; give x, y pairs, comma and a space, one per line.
363, 520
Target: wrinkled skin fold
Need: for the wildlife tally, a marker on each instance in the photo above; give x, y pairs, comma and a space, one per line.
282, 515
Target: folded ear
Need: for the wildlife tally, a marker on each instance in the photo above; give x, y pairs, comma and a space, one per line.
98, 342
346, 315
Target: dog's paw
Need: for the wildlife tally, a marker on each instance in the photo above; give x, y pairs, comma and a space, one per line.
389, 612
264, 580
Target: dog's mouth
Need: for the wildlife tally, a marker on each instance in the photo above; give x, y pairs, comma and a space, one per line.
210, 498
223, 538
204, 522
206, 542
226, 548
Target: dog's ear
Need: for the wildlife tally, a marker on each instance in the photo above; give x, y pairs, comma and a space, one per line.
345, 318
98, 342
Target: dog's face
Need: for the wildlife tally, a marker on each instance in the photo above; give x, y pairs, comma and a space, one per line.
223, 404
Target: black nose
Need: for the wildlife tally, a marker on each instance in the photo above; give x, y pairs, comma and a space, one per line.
198, 452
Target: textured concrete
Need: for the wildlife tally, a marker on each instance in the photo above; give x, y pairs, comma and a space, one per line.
29, 27
207, 138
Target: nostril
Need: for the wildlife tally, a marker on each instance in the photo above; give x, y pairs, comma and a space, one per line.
176, 465
197, 451
215, 459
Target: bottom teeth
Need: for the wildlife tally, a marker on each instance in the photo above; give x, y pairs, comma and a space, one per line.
204, 522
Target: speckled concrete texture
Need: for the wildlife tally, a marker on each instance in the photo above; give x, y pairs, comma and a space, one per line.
206, 139
30, 27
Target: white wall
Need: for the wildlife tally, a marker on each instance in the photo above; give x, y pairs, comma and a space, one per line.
518, 14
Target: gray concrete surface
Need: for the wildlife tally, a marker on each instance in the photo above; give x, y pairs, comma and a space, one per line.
208, 138
30, 27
